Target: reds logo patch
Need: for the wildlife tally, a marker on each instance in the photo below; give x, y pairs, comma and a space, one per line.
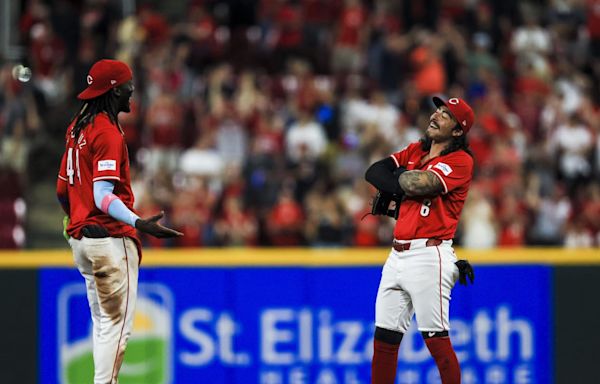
107, 165
454, 101
445, 168
90, 80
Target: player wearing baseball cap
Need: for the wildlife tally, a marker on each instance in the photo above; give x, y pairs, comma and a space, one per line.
428, 181
94, 190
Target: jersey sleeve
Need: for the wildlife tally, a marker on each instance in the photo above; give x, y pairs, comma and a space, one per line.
107, 155
401, 158
62, 171
454, 170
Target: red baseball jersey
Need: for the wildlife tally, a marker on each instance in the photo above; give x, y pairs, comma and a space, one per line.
434, 216
100, 153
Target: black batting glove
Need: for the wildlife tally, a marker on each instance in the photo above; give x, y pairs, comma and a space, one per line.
381, 202
465, 271
153, 228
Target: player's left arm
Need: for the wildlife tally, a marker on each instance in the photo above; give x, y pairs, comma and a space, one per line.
61, 187
108, 149
420, 183
62, 195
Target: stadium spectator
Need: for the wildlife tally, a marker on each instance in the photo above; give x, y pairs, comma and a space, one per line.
235, 226
285, 221
478, 221
550, 216
305, 138
572, 142
350, 38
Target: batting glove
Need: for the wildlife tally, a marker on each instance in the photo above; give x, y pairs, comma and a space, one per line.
152, 227
66, 221
465, 271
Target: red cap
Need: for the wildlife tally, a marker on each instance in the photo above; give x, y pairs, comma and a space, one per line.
105, 75
461, 111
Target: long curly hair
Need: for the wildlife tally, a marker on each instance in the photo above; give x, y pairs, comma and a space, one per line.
457, 143
90, 108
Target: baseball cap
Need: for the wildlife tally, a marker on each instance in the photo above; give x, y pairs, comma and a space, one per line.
103, 76
461, 111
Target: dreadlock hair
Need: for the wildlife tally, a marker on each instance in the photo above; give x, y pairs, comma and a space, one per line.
90, 108
457, 143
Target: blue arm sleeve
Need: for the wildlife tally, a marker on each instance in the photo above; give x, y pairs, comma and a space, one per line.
117, 208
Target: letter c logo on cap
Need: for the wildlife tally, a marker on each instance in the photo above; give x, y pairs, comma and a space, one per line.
453, 101
90, 79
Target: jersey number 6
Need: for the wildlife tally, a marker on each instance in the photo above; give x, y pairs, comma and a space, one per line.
425, 207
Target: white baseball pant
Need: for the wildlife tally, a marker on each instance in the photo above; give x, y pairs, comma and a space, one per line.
110, 268
417, 280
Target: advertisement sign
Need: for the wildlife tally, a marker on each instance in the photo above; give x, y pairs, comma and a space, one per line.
294, 326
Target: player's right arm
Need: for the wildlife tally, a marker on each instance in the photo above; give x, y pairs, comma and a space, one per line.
109, 203
108, 149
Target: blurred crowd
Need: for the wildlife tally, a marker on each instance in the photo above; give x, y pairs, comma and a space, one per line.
253, 122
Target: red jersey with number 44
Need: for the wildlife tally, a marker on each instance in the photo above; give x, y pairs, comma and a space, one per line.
100, 153
425, 217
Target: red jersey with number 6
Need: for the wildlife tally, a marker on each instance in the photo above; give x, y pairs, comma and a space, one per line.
425, 217
100, 153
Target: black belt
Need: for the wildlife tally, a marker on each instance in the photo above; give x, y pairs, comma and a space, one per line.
94, 232
401, 247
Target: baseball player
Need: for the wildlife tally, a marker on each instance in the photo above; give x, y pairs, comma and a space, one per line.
94, 190
428, 181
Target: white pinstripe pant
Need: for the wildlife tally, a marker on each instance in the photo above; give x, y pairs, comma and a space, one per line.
418, 280
110, 268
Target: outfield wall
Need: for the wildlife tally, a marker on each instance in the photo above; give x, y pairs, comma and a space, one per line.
300, 316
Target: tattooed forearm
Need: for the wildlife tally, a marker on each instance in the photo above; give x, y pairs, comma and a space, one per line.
420, 183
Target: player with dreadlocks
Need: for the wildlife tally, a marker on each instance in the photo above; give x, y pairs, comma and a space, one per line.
94, 190
103, 103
